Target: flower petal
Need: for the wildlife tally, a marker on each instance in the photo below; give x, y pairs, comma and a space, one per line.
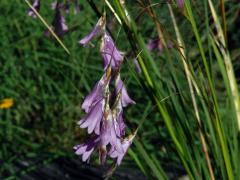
36, 5
96, 31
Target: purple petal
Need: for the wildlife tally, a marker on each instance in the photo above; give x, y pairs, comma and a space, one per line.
36, 6
120, 88
93, 119
155, 44
87, 154
59, 24
87, 147
180, 3
108, 133
96, 31
121, 125
95, 94
110, 53
113, 153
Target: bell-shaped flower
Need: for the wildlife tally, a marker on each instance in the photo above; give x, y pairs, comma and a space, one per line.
97, 93
87, 148
114, 153
108, 132
98, 29
93, 119
110, 53
121, 89
36, 6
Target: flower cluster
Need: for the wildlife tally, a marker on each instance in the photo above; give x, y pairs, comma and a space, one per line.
104, 109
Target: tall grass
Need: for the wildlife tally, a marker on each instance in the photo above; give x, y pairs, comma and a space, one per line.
205, 140
187, 112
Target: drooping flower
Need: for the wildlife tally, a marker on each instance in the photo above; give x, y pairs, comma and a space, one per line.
113, 153
98, 29
59, 23
87, 148
94, 117
108, 131
110, 53
97, 93
36, 6
121, 89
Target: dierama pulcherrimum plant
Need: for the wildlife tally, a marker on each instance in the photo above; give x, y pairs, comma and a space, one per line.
104, 109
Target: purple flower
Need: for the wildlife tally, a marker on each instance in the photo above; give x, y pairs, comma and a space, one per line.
155, 44
108, 132
113, 153
96, 31
180, 3
121, 89
120, 125
96, 94
36, 6
59, 22
87, 148
110, 53
93, 119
